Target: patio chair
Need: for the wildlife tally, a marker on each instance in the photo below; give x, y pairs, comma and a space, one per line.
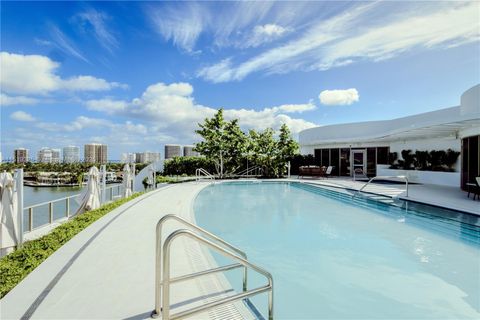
328, 172
474, 188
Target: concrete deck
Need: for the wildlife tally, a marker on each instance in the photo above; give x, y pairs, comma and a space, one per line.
443, 196
107, 270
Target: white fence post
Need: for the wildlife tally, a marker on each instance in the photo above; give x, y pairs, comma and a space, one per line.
19, 187
132, 182
104, 183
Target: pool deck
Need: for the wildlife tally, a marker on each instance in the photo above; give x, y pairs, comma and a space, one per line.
107, 271
443, 196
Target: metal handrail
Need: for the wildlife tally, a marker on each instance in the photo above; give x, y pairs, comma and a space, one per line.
200, 171
165, 302
246, 172
158, 265
383, 177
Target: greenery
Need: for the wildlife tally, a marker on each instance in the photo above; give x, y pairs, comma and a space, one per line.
434, 160
18, 264
228, 148
187, 165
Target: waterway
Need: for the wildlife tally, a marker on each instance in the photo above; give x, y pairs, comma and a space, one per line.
36, 195
41, 214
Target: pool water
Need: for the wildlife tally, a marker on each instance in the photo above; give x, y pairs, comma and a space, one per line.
334, 257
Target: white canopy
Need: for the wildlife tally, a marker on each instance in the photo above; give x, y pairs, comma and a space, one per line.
89, 199
9, 232
127, 181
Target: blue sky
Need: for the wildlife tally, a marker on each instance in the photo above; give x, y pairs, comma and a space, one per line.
138, 75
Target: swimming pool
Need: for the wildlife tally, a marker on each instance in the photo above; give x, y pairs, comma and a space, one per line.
332, 256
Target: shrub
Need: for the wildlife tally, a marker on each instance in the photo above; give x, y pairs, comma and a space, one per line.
187, 166
18, 264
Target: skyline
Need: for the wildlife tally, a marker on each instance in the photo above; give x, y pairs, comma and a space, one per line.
141, 75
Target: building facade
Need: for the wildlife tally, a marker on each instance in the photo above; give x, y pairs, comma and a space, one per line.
128, 157
95, 153
366, 146
188, 151
20, 155
173, 150
48, 155
71, 154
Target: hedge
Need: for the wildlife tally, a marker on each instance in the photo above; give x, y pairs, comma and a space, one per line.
18, 264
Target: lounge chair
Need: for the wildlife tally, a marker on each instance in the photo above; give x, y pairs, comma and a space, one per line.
328, 172
474, 188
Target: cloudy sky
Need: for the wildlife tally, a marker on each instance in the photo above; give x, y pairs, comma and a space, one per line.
142, 74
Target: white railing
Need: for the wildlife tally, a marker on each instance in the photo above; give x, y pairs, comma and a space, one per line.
202, 173
53, 206
404, 178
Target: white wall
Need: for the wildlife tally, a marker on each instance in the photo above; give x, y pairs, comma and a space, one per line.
451, 179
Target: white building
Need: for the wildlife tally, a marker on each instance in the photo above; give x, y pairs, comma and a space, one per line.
365, 146
48, 155
140, 157
173, 150
71, 154
128, 157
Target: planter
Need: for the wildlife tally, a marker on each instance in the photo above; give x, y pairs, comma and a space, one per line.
451, 179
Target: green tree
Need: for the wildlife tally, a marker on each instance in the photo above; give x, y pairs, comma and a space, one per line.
223, 143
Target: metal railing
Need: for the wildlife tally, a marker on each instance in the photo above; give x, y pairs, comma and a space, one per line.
162, 270
200, 172
384, 178
56, 203
257, 170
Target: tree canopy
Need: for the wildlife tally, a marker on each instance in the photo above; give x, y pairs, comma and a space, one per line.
229, 148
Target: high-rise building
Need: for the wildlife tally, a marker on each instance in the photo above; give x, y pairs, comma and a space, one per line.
188, 151
149, 157
20, 155
128, 157
95, 153
172, 150
71, 154
48, 155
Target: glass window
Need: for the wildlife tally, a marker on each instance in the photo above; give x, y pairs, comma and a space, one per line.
334, 160
325, 157
318, 156
345, 162
382, 155
371, 161
470, 160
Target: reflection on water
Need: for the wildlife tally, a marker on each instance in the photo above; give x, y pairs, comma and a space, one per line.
36, 195
335, 257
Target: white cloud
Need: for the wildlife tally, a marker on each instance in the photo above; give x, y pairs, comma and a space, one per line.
373, 31
338, 97
291, 108
36, 74
237, 23
22, 116
263, 34
183, 27
6, 100
62, 42
106, 105
98, 21
171, 108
